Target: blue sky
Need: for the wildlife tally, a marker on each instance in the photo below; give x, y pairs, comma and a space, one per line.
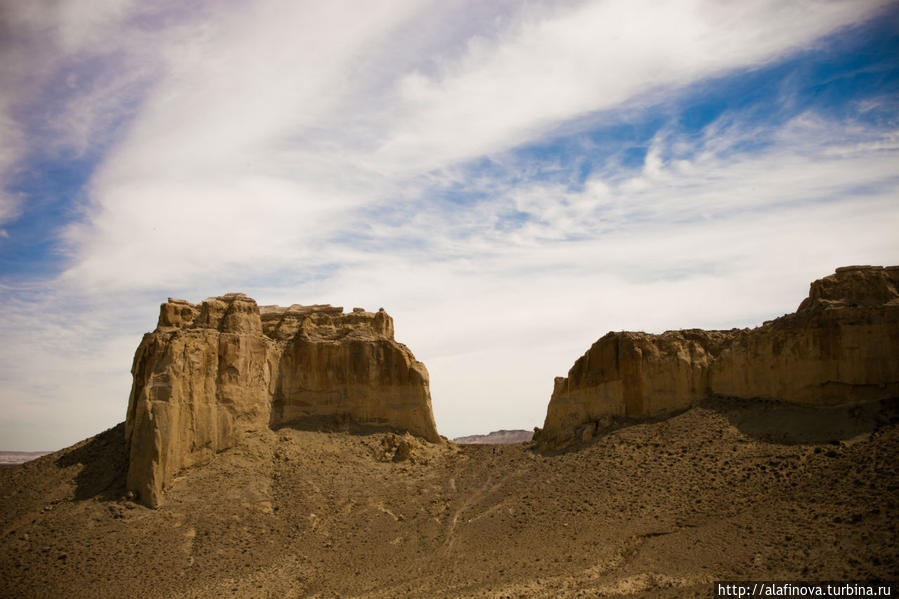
510, 181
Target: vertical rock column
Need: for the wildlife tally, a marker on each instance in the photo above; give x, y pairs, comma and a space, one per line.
201, 379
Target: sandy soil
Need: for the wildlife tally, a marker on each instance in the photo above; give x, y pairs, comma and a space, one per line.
720, 492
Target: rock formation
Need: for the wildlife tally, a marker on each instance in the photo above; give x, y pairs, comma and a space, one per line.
840, 346
211, 373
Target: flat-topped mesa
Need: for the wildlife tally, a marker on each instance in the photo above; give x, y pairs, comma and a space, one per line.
214, 371
841, 346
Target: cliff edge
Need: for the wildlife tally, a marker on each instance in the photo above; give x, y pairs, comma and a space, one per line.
841, 346
212, 372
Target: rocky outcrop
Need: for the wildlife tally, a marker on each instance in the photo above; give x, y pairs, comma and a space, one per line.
211, 373
841, 346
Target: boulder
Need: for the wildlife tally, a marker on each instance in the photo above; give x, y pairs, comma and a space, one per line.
214, 372
840, 347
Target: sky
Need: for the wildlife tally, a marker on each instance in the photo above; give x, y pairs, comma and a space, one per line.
509, 180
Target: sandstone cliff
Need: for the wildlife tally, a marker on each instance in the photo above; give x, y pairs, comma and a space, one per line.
212, 372
841, 346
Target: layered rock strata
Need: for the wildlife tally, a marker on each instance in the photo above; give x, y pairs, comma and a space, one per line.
840, 346
211, 373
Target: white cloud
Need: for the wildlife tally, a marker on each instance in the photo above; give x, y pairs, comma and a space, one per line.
325, 104
233, 150
11, 144
68, 77
596, 56
65, 363
46, 46
289, 151
73, 26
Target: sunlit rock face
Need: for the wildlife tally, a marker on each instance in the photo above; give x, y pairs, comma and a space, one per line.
211, 373
348, 366
840, 346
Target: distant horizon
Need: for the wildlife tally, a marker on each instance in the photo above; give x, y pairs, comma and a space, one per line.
40, 452
12, 457
509, 181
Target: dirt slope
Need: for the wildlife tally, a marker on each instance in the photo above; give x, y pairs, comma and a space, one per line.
650, 510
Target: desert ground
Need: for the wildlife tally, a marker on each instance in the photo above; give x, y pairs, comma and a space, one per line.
724, 491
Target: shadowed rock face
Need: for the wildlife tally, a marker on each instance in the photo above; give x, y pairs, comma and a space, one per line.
841, 346
212, 372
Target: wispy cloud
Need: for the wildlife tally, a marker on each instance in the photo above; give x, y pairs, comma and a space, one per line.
510, 181
553, 66
267, 120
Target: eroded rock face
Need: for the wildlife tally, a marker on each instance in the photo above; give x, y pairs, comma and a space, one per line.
212, 372
841, 346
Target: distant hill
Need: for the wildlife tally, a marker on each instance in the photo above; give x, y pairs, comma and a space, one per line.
9, 458
496, 438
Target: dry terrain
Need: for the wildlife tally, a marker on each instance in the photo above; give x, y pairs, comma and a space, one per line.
741, 490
